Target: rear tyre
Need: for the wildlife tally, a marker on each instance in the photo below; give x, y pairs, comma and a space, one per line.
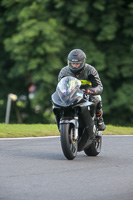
68, 144
95, 148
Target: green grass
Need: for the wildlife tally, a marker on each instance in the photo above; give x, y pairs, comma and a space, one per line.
118, 130
26, 130
39, 130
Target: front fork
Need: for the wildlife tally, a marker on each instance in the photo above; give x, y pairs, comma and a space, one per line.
73, 121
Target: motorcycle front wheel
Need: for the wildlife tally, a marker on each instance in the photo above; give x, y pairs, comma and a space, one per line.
68, 143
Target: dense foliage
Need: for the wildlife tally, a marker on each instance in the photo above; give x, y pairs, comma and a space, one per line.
35, 39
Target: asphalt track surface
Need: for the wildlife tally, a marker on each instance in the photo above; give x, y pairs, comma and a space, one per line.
36, 169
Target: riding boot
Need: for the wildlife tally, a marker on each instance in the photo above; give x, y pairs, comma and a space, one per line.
100, 121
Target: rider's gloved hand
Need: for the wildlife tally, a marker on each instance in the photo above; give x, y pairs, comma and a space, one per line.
92, 91
88, 91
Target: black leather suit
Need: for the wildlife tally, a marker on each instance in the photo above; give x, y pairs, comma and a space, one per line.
89, 73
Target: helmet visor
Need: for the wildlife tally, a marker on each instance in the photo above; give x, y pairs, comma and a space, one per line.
76, 65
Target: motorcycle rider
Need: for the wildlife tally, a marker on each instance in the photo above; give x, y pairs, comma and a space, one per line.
78, 68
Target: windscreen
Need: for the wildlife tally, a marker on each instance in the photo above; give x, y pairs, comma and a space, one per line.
68, 84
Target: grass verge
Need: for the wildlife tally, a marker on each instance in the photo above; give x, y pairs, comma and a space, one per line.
40, 130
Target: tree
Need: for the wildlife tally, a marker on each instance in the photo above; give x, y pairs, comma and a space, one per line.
36, 37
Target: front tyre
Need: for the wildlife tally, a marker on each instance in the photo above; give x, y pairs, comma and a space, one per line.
68, 143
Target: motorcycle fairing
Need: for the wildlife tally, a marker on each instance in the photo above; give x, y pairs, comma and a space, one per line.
68, 84
67, 92
62, 100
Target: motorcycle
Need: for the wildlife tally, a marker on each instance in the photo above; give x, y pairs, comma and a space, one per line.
76, 119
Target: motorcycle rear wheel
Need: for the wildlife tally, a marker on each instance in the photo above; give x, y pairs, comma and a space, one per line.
95, 148
68, 144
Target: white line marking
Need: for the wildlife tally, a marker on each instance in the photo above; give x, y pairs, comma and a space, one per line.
30, 138
118, 135
50, 137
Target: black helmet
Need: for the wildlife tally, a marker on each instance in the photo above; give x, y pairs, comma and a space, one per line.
76, 56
